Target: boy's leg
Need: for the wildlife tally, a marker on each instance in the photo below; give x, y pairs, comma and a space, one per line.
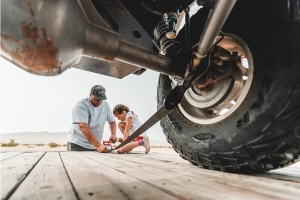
121, 126
128, 147
76, 147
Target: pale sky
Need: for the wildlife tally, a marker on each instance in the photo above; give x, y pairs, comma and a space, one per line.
39, 103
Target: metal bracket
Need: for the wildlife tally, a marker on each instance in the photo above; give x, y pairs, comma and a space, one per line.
129, 29
294, 9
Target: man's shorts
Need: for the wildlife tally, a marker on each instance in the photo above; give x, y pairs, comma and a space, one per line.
76, 147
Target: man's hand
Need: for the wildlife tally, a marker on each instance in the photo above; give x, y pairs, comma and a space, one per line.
120, 140
113, 139
102, 148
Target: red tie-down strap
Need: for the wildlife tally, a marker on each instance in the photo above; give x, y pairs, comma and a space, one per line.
106, 142
138, 138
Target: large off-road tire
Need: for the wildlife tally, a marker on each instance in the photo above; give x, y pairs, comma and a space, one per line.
263, 132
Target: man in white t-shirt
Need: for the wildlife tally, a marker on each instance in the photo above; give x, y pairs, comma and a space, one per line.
88, 119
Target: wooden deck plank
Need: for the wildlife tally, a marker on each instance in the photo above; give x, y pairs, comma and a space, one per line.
160, 156
291, 173
48, 180
257, 185
278, 177
175, 183
288, 173
7, 155
94, 180
15, 169
135, 176
163, 157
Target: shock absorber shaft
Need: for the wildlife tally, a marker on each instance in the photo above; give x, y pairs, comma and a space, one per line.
187, 29
213, 26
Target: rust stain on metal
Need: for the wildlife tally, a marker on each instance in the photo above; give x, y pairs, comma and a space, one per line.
3, 47
7, 37
30, 9
109, 59
40, 57
29, 32
104, 39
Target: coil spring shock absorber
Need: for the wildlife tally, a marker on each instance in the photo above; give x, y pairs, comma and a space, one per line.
165, 32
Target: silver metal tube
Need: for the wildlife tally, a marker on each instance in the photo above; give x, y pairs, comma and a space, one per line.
212, 28
179, 22
182, 17
101, 43
142, 58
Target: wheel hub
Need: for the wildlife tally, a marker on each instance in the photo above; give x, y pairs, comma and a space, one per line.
201, 98
216, 101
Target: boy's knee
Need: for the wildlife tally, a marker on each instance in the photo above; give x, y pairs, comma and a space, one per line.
121, 124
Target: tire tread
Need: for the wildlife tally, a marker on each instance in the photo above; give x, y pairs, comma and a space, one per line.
263, 153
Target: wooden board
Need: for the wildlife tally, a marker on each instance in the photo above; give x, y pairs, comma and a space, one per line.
48, 180
290, 173
15, 169
286, 174
95, 180
212, 182
6, 155
163, 157
90, 175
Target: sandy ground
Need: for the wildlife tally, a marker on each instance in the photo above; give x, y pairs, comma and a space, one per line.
136, 150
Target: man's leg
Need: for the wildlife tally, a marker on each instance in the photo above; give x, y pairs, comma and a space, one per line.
76, 147
68, 146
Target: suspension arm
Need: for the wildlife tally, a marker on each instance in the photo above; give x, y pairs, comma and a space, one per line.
213, 26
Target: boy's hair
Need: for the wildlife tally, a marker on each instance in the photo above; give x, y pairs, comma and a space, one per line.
118, 109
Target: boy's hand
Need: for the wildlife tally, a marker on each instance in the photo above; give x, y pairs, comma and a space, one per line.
102, 148
120, 140
113, 139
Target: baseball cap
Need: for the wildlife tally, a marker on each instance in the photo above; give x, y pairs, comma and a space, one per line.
98, 92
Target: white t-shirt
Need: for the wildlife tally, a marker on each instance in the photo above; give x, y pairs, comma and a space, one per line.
135, 123
96, 117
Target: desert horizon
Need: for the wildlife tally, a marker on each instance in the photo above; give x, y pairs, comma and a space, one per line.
45, 137
57, 141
